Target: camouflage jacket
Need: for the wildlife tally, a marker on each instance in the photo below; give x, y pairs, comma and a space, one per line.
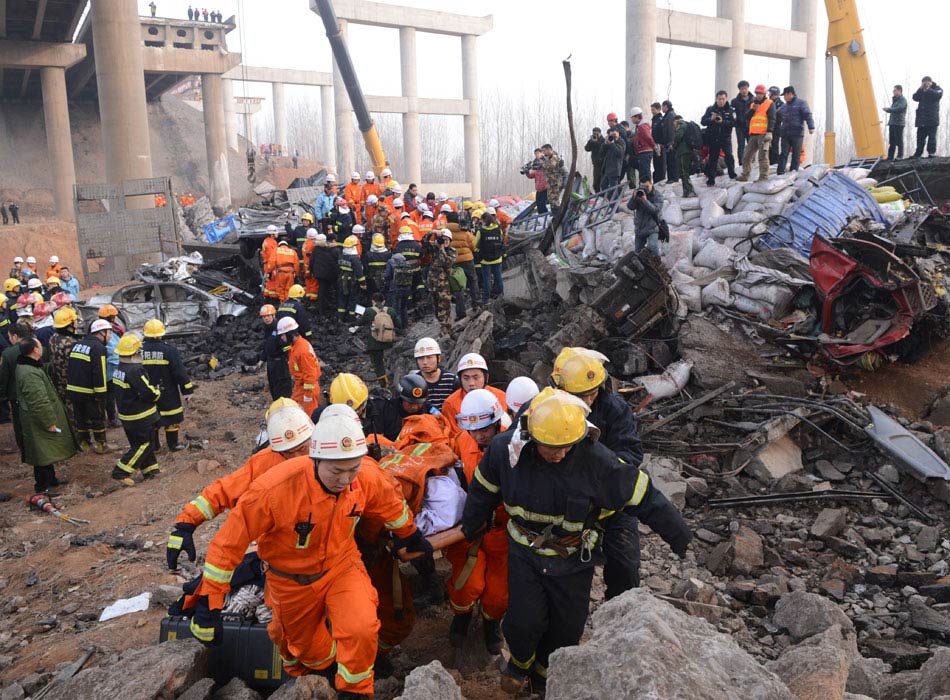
552, 170
380, 224
440, 267
58, 353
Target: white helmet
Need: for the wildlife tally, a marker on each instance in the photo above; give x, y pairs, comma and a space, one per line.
445, 233
422, 206
479, 409
354, 175
344, 209
397, 202
100, 325
405, 215
34, 283
321, 238
425, 347
519, 392
286, 324
330, 178
54, 259
372, 199
18, 259
472, 360
31, 260
493, 202
387, 172
418, 199
337, 437
339, 409
370, 175
287, 428
358, 228
442, 197
272, 230
397, 189
27, 311
491, 210
312, 234
445, 208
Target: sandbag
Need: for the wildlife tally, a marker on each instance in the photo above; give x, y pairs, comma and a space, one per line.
867, 182
733, 231
733, 195
690, 203
670, 383
716, 294
689, 293
714, 255
776, 197
711, 212
691, 215
884, 197
771, 186
671, 212
775, 295
751, 306
713, 194
742, 217
680, 246
856, 174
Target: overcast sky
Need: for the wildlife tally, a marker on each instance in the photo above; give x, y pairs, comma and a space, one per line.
523, 53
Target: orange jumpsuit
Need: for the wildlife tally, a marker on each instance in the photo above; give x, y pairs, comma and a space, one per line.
503, 220
453, 404
305, 370
441, 221
394, 229
455, 207
424, 227
310, 282
368, 189
268, 254
371, 211
424, 427
53, 271
340, 592
352, 195
223, 494
487, 578
286, 269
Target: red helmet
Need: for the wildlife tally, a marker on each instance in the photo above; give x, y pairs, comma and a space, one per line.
761, 89
612, 116
25, 300
62, 299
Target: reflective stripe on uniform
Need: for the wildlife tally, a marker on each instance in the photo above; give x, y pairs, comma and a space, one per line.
523, 665
119, 382
202, 634
322, 662
350, 677
174, 542
543, 551
308, 387
640, 490
79, 356
568, 525
213, 573
154, 362
485, 482
138, 416
173, 412
79, 389
401, 520
202, 504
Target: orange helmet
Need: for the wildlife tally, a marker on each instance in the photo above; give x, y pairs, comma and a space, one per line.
268, 310
108, 311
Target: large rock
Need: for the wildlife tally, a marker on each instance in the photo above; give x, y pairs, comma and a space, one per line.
866, 676
236, 689
743, 553
817, 671
430, 682
667, 476
935, 676
806, 614
829, 523
305, 688
151, 673
202, 690
900, 686
644, 649
900, 656
927, 620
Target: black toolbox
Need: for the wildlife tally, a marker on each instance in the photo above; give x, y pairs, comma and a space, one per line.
245, 652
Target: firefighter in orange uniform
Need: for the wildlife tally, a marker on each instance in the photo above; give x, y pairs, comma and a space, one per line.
288, 433
370, 187
473, 374
503, 219
268, 261
425, 225
395, 221
479, 569
286, 269
302, 515
353, 194
310, 282
304, 365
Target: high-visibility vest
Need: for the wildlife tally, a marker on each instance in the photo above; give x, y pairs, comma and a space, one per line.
759, 124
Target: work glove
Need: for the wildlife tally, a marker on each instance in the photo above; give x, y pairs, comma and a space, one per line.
768, 138
416, 542
206, 624
185, 605
180, 539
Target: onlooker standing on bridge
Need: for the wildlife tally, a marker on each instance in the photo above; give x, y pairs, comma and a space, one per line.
774, 146
595, 146
928, 116
656, 130
719, 120
643, 144
3, 213
613, 153
15, 211
191, 13
761, 128
540, 182
669, 129
152, 7
741, 106
795, 113
895, 123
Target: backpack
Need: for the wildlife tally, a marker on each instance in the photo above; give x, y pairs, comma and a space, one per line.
457, 280
403, 274
693, 136
383, 330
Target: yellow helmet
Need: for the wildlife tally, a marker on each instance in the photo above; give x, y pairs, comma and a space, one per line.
154, 328
350, 242
11, 284
557, 419
562, 357
129, 344
64, 316
379, 239
296, 292
582, 372
282, 402
467, 204
307, 216
348, 389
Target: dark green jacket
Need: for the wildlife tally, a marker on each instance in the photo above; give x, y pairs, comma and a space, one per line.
41, 408
8, 372
680, 146
898, 111
367, 320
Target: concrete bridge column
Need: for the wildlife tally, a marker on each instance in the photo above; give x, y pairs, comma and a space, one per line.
345, 157
216, 142
59, 140
280, 115
411, 135
641, 55
729, 62
230, 125
802, 70
117, 33
473, 161
326, 117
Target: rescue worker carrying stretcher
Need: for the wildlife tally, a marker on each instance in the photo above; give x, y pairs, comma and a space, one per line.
472, 375
288, 435
167, 373
302, 514
136, 400
554, 479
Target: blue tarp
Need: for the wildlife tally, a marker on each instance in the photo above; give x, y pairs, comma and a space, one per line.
217, 230
825, 210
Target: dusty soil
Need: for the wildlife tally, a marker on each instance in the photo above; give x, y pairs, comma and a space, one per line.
40, 237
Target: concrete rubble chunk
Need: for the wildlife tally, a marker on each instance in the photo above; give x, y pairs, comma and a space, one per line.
900, 686
644, 649
866, 676
742, 553
160, 671
900, 656
817, 671
829, 523
806, 614
305, 688
430, 682
925, 619
935, 676
201, 690
236, 689
667, 476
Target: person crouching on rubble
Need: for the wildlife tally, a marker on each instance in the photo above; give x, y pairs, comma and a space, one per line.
646, 204
136, 404
564, 478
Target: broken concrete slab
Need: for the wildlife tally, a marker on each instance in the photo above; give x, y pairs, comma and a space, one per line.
925, 619
806, 614
816, 671
935, 676
742, 553
667, 476
900, 656
430, 682
829, 523
866, 676
777, 459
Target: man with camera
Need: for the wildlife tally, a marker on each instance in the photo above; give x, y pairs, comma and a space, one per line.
613, 150
443, 257
594, 146
927, 98
719, 120
646, 204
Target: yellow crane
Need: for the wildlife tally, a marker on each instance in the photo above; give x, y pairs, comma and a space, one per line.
846, 43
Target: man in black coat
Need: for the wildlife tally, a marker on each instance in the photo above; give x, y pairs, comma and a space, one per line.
669, 128
594, 146
740, 105
928, 116
656, 128
719, 120
614, 150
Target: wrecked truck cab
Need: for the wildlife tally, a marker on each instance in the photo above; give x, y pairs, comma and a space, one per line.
183, 308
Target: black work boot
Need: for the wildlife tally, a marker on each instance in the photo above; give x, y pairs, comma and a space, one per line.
491, 631
383, 667
458, 630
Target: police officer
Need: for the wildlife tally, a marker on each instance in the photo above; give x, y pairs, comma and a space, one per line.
167, 373
136, 402
384, 415
86, 386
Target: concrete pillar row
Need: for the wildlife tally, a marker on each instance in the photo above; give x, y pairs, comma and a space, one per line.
117, 33
280, 115
345, 157
216, 142
411, 132
62, 169
230, 113
802, 70
640, 54
729, 62
326, 117
473, 162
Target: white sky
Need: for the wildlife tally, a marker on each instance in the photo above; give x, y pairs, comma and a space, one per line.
523, 53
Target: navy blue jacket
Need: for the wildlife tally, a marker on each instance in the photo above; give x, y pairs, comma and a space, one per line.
928, 107
793, 115
618, 427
